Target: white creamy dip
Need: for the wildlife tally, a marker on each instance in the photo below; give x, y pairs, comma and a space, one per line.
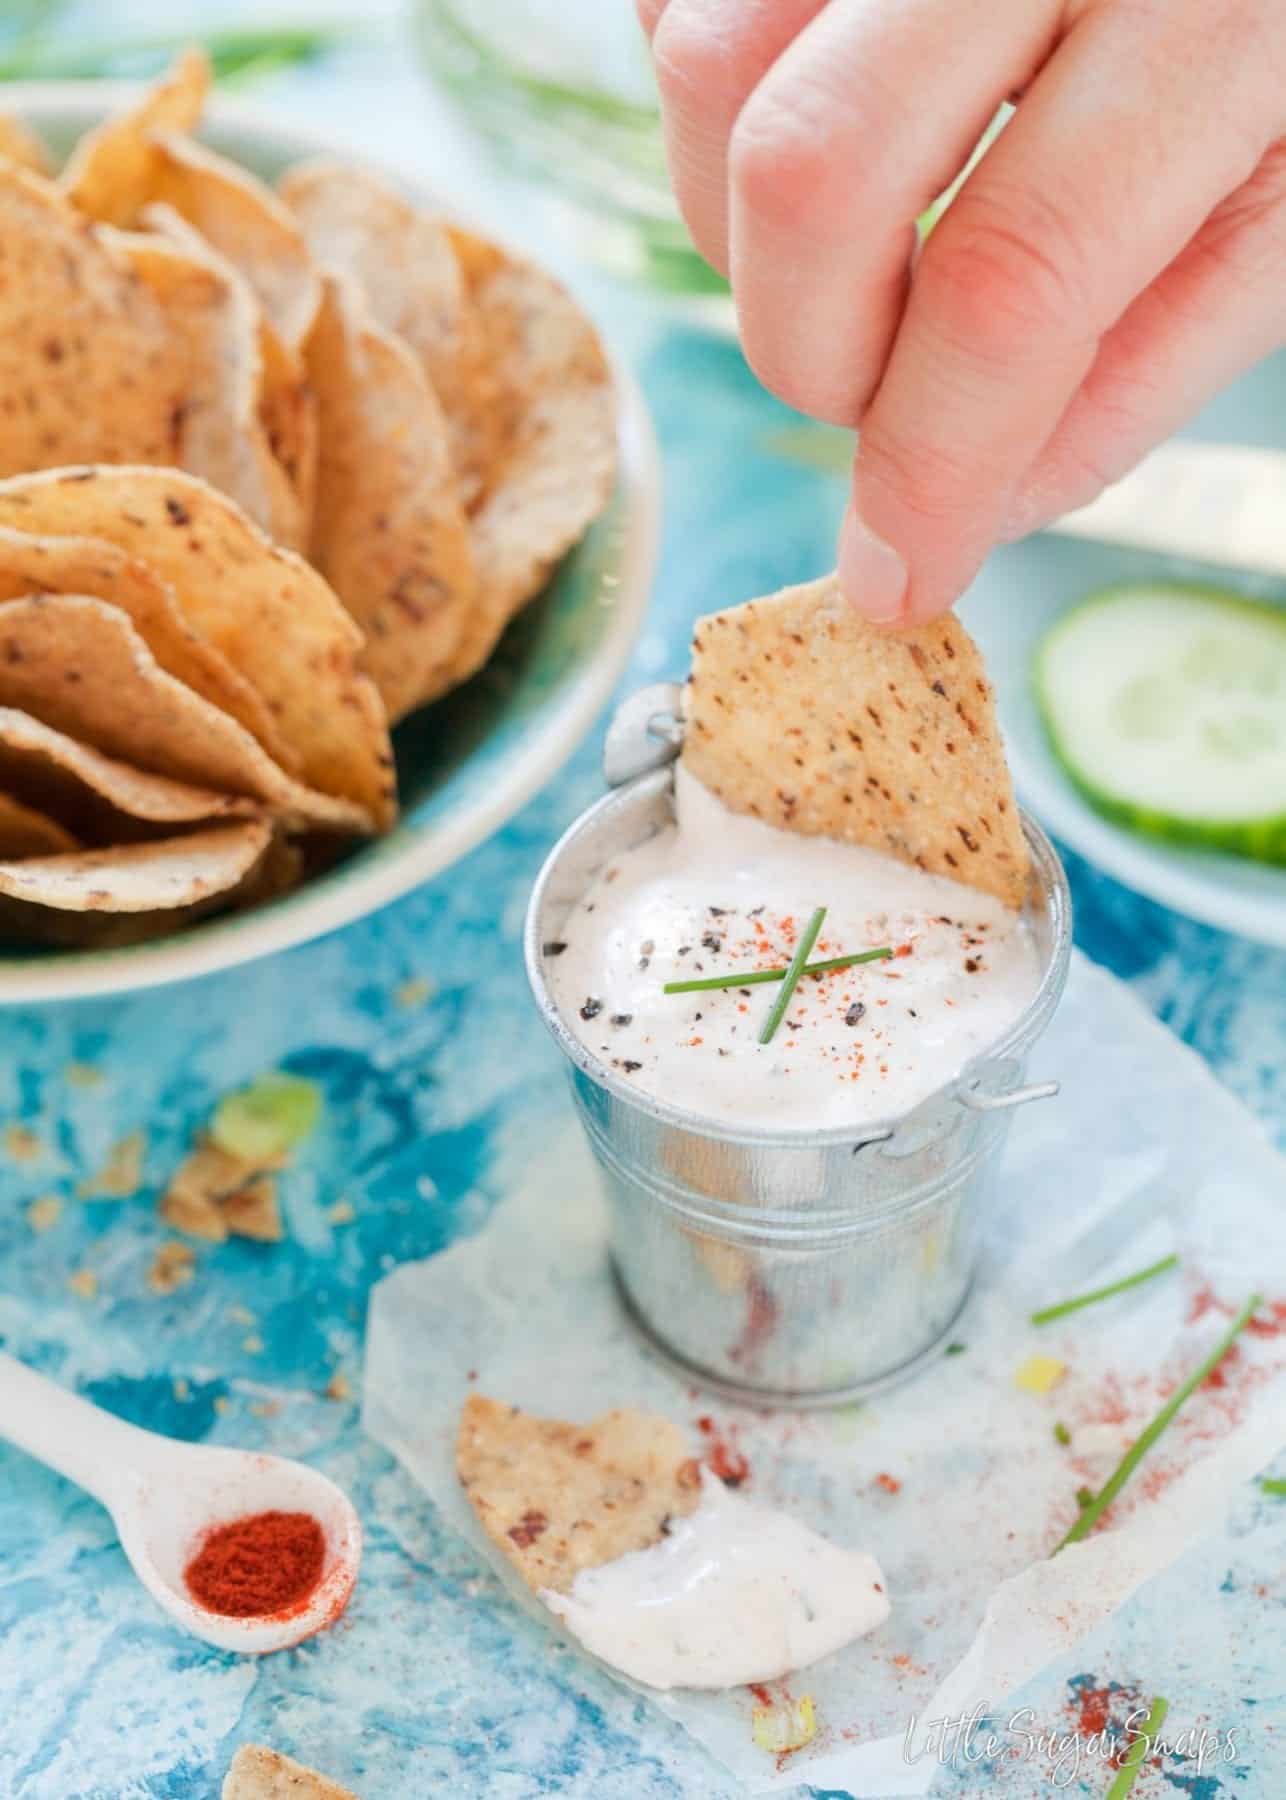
736, 1592
720, 892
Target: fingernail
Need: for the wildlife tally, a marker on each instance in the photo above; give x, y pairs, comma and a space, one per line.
871, 572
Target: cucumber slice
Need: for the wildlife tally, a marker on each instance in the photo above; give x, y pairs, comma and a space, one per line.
1166, 705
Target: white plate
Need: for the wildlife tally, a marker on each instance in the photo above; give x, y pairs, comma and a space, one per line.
1022, 591
466, 764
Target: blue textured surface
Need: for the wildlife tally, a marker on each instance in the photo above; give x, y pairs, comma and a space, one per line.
431, 1684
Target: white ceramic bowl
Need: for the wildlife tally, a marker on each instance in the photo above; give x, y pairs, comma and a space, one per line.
465, 765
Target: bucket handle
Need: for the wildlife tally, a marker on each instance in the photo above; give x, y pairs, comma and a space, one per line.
977, 1101
646, 733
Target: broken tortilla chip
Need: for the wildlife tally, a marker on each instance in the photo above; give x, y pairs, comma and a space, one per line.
109, 173
360, 228
557, 1498
20, 144
389, 532
804, 715
258, 1773
214, 320
556, 467
30, 564
26, 831
97, 797
86, 358
269, 614
78, 665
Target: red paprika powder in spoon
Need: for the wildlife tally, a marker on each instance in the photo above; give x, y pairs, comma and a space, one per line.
261, 1566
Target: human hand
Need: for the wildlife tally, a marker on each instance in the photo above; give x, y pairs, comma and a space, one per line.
1117, 256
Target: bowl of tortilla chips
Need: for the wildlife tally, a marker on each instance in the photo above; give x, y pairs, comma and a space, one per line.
326, 527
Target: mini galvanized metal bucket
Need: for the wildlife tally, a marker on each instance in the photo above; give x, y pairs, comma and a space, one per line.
785, 1268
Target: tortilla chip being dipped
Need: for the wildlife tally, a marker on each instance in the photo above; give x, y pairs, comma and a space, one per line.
389, 532
803, 715
403, 260
556, 464
272, 616
78, 665
109, 173
258, 1773
558, 1498
136, 890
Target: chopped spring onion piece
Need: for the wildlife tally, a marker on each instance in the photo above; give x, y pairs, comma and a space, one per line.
790, 980
264, 1120
1139, 1750
781, 1729
1084, 1497
1269, 1486
1049, 1313
1061, 1434
757, 975
1091, 1514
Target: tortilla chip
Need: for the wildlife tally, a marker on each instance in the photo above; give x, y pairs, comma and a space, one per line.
86, 362
78, 665
359, 227
289, 411
246, 223
169, 873
287, 406
558, 1498
805, 716
109, 173
257, 1773
101, 800
214, 320
25, 831
30, 564
556, 468
389, 532
20, 144
264, 609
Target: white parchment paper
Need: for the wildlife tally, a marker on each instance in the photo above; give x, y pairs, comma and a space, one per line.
955, 1481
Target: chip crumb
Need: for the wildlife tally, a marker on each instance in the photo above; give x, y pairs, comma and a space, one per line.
122, 1174
265, 1409
44, 1212
21, 1143
83, 1075
83, 1282
214, 1193
337, 1388
252, 1211
173, 1267
413, 993
253, 1344
341, 1213
222, 1404
182, 1388
242, 1315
